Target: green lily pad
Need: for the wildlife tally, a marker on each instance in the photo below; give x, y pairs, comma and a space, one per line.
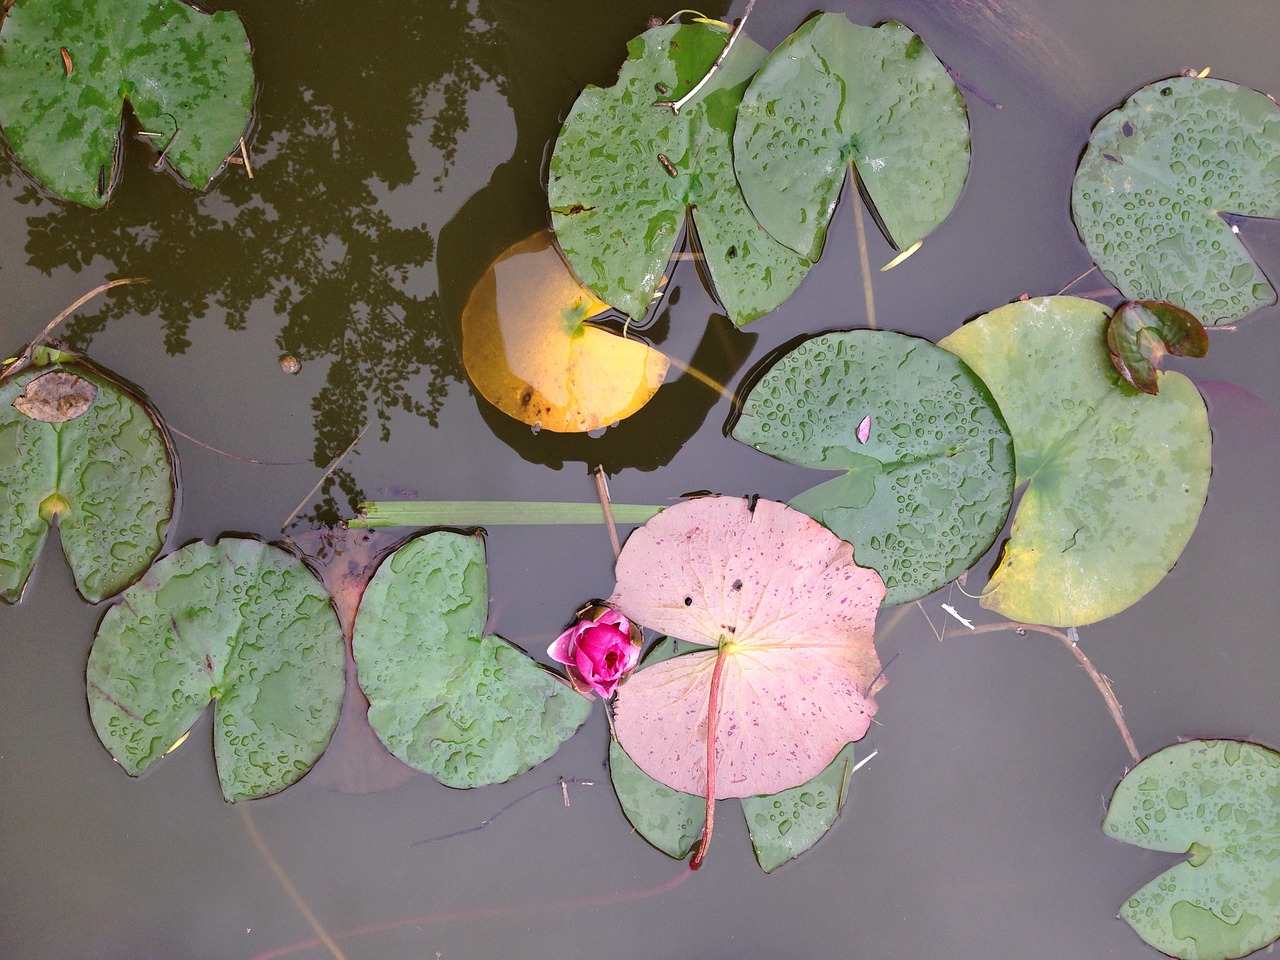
1142, 332
66, 70
670, 819
624, 172
1218, 801
105, 473
444, 697
928, 490
834, 95
788, 823
1161, 175
1115, 479
239, 622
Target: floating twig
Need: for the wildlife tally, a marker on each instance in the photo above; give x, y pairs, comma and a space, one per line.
168, 143
965, 84
1077, 280
244, 153
956, 613
223, 453
849, 772
602, 491
701, 377
312, 920
477, 916
1100, 680
23, 358
675, 105
333, 465
562, 783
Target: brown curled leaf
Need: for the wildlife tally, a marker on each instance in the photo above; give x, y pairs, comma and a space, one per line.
1142, 332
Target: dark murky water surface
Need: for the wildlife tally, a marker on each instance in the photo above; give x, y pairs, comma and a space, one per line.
397, 151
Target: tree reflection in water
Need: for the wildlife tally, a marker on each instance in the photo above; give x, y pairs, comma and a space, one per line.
343, 104
308, 235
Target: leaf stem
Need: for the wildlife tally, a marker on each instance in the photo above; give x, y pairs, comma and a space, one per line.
226, 453
1100, 680
333, 465
864, 261
1076, 280
313, 921
713, 719
602, 490
675, 105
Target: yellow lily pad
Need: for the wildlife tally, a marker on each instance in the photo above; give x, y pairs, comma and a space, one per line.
528, 349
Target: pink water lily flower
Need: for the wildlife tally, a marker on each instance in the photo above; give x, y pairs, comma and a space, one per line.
597, 651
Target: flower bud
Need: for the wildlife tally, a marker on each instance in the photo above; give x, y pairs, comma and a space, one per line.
597, 651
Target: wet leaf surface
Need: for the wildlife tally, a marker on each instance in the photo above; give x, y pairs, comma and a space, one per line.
625, 171
1218, 801
106, 475
785, 825
928, 489
1161, 174
669, 819
239, 622
1114, 479
834, 94
779, 599
444, 697
66, 71
529, 350
1142, 332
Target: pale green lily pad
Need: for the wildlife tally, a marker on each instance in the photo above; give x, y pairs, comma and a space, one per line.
782, 826
832, 95
444, 697
786, 824
239, 622
1159, 176
180, 70
1218, 801
625, 171
106, 474
928, 491
1115, 479
669, 819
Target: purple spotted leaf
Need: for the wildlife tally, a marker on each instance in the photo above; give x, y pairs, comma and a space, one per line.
789, 618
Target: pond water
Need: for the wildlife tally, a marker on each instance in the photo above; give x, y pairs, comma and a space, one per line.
398, 148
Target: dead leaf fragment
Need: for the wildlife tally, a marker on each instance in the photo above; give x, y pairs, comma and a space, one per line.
56, 397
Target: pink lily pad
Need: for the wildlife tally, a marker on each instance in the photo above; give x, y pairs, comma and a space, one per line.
790, 619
